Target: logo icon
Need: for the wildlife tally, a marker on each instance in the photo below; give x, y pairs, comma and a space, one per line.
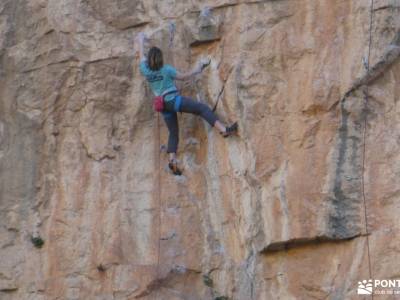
365, 287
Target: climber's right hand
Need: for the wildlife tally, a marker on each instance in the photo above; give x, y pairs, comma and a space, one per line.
140, 38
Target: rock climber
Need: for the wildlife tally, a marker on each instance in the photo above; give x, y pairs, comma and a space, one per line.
161, 78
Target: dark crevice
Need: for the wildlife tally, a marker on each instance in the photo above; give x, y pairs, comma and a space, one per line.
389, 6
204, 42
144, 23
8, 290
227, 5
158, 283
111, 58
100, 159
222, 6
304, 242
49, 31
341, 221
64, 61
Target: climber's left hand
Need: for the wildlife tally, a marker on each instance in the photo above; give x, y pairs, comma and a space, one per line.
141, 36
204, 63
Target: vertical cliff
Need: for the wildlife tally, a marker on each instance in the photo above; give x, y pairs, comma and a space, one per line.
303, 204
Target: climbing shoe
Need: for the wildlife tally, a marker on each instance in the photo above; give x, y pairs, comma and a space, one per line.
173, 166
230, 130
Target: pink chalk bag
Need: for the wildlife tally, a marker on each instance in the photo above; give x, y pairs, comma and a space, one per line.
158, 101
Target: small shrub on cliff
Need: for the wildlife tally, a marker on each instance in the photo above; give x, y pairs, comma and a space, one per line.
208, 281
37, 241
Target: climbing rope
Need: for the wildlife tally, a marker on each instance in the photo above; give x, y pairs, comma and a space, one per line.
158, 195
366, 99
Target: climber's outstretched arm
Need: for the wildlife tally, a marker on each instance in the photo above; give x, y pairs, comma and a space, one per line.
140, 40
187, 75
196, 70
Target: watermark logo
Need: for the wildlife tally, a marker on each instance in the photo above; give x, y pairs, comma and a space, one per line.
365, 287
379, 287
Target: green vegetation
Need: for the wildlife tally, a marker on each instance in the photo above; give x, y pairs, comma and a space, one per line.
38, 242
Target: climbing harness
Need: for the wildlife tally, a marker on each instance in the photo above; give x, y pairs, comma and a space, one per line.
159, 101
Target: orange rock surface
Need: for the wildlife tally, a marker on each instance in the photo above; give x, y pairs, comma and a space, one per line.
303, 204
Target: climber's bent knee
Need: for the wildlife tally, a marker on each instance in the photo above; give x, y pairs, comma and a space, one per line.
194, 107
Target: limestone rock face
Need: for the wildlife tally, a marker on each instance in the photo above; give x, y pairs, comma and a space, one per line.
303, 204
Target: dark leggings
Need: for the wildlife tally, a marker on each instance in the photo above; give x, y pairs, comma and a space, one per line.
188, 106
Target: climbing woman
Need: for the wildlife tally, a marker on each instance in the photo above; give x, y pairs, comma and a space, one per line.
168, 101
